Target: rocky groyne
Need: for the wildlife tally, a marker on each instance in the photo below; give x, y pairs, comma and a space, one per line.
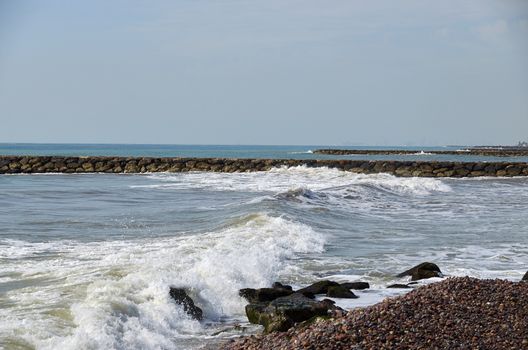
490, 152
56, 164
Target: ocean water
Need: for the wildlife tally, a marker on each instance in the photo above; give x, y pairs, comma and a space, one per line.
238, 151
86, 260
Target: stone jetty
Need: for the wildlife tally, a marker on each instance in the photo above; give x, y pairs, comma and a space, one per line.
490, 152
93, 164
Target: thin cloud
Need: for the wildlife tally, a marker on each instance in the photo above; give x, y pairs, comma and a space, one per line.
493, 31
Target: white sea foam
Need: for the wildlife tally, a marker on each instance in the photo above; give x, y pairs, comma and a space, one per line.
115, 294
422, 153
302, 152
285, 179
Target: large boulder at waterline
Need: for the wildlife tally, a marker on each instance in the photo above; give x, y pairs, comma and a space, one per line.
283, 313
278, 285
180, 296
422, 271
525, 277
356, 285
263, 294
320, 287
340, 292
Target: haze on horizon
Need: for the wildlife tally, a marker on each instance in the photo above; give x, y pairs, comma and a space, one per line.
264, 72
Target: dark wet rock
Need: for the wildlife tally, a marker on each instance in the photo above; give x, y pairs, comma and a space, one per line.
263, 294
180, 297
308, 295
399, 285
356, 285
340, 292
320, 287
283, 313
525, 277
67, 164
422, 271
330, 302
278, 285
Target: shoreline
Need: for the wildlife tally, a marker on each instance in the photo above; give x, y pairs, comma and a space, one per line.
101, 164
455, 313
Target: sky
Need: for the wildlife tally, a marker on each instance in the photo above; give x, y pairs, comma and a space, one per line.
310, 72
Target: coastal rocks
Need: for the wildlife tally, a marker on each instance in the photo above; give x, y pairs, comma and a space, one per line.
422, 271
180, 296
340, 292
280, 307
456, 313
278, 285
525, 277
63, 164
320, 287
283, 313
263, 294
356, 285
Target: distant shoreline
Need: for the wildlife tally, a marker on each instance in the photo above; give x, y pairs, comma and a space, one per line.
100, 164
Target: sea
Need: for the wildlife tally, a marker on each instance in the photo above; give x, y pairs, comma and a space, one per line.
87, 260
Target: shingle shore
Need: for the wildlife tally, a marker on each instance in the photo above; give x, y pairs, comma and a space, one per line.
93, 164
457, 313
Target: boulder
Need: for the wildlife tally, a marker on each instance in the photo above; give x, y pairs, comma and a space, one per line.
340, 292
283, 313
181, 298
422, 271
278, 285
525, 277
263, 294
356, 285
320, 287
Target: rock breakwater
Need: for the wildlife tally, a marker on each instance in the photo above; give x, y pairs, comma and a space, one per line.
490, 152
56, 164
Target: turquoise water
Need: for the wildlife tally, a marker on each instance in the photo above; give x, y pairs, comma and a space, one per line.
237, 151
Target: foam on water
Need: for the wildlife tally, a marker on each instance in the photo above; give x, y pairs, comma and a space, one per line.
296, 225
114, 295
285, 179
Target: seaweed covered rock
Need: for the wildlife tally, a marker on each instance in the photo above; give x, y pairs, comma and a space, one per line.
283, 313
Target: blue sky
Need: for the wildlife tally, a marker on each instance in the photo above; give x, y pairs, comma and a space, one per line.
330, 72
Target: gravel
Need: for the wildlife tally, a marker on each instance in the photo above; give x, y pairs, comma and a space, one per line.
457, 313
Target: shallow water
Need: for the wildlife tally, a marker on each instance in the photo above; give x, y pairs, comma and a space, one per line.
86, 260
